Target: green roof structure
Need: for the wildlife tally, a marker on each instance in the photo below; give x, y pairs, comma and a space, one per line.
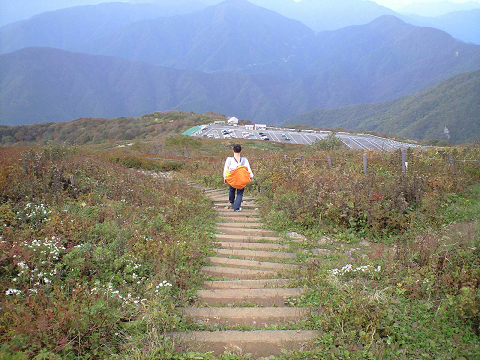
192, 130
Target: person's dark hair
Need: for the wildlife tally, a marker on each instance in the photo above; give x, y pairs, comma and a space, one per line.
237, 148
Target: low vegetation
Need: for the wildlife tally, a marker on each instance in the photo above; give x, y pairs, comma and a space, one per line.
400, 278
93, 255
100, 245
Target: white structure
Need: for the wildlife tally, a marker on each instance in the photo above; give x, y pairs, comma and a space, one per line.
260, 127
219, 122
233, 121
249, 127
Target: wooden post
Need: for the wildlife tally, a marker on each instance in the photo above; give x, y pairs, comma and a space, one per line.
329, 161
452, 163
404, 160
365, 164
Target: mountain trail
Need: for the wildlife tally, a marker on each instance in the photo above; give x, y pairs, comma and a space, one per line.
243, 304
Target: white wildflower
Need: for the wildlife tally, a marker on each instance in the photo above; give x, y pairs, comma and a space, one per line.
13, 292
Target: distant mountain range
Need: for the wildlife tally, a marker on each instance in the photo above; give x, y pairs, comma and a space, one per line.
70, 28
462, 25
318, 15
237, 35
235, 58
45, 85
307, 11
327, 14
58, 28
437, 8
453, 104
232, 35
18, 10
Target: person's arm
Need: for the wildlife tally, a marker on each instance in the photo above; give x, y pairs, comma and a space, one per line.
225, 170
247, 165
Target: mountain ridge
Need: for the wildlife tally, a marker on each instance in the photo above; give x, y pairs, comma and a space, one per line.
438, 8
328, 15
215, 38
290, 72
323, 16
422, 116
41, 84
69, 28
462, 25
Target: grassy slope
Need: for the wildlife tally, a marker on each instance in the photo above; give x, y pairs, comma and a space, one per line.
422, 304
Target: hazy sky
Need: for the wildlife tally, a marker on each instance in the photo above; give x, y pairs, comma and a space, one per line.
67, 3
397, 4
14, 10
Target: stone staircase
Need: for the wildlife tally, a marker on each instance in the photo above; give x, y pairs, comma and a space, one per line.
249, 289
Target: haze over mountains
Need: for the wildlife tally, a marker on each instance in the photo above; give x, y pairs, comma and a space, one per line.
453, 104
437, 8
462, 25
234, 57
71, 28
46, 84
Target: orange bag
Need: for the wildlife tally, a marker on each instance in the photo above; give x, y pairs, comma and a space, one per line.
238, 178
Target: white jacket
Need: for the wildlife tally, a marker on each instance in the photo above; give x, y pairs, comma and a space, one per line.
231, 164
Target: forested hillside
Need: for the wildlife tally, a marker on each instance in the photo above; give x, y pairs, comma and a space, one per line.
44, 85
453, 104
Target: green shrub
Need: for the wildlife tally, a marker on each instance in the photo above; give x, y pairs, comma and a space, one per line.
330, 142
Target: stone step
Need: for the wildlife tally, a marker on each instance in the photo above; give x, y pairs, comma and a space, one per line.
238, 216
245, 203
224, 197
225, 200
251, 245
229, 207
231, 229
214, 191
210, 189
249, 264
254, 254
197, 186
240, 224
218, 197
248, 211
246, 284
248, 205
261, 297
245, 238
253, 316
236, 273
240, 234
259, 343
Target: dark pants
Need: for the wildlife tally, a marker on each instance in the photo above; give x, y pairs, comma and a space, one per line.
236, 202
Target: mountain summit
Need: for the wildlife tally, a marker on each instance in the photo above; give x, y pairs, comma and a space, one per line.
234, 57
70, 28
232, 35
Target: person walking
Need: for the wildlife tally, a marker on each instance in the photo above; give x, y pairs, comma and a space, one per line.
231, 164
